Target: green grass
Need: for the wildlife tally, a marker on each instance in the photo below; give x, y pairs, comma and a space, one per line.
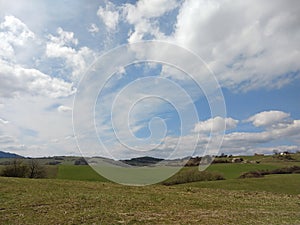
278, 183
273, 199
189, 175
51, 171
46, 201
83, 173
234, 170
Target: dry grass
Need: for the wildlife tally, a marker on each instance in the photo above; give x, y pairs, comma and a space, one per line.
24, 201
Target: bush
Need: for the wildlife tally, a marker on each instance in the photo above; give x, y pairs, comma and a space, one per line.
18, 168
53, 163
221, 161
261, 173
36, 170
192, 175
80, 161
58, 158
286, 170
252, 174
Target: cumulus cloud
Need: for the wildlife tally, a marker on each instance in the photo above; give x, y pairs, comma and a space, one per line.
109, 15
148, 9
142, 16
248, 140
237, 41
240, 142
63, 38
216, 124
13, 32
63, 46
248, 44
269, 118
16, 80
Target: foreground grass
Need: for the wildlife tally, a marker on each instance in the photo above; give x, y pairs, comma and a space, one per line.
25, 201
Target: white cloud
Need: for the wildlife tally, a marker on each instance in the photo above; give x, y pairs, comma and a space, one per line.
216, 124
171, 72
239, 142
109, 15
243, 143
16, 81
64, 108
93, 28
63, 46
4, 139
269, 118
280, 148
3, 121
34, 122
63, 38
148, 9
250, 140
13, 33
143, 16
247, 44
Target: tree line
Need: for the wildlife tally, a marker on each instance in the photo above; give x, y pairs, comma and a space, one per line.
19, 168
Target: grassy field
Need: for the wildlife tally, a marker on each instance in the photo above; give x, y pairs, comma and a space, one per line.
25, 201
79, 195
278, 183
83, 173
234, 170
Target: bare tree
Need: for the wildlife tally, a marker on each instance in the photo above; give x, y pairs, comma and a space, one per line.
36, 170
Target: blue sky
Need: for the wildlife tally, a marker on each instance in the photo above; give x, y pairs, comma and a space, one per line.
251, 48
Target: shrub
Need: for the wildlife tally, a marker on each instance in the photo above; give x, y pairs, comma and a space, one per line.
53, 163
80, 161
58, 158
252, 174
221, 161
36, 170
286, 170
192, 175
16, 168
261, 173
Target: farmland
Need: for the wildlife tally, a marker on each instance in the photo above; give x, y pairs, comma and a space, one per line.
78, 195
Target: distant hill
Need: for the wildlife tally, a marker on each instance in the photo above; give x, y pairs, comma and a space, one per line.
142, 161
9, 155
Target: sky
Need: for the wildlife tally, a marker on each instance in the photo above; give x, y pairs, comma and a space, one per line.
233, 85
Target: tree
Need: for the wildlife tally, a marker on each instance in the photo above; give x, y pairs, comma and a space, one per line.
36, 170
16, 168
81, 161
276, 152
